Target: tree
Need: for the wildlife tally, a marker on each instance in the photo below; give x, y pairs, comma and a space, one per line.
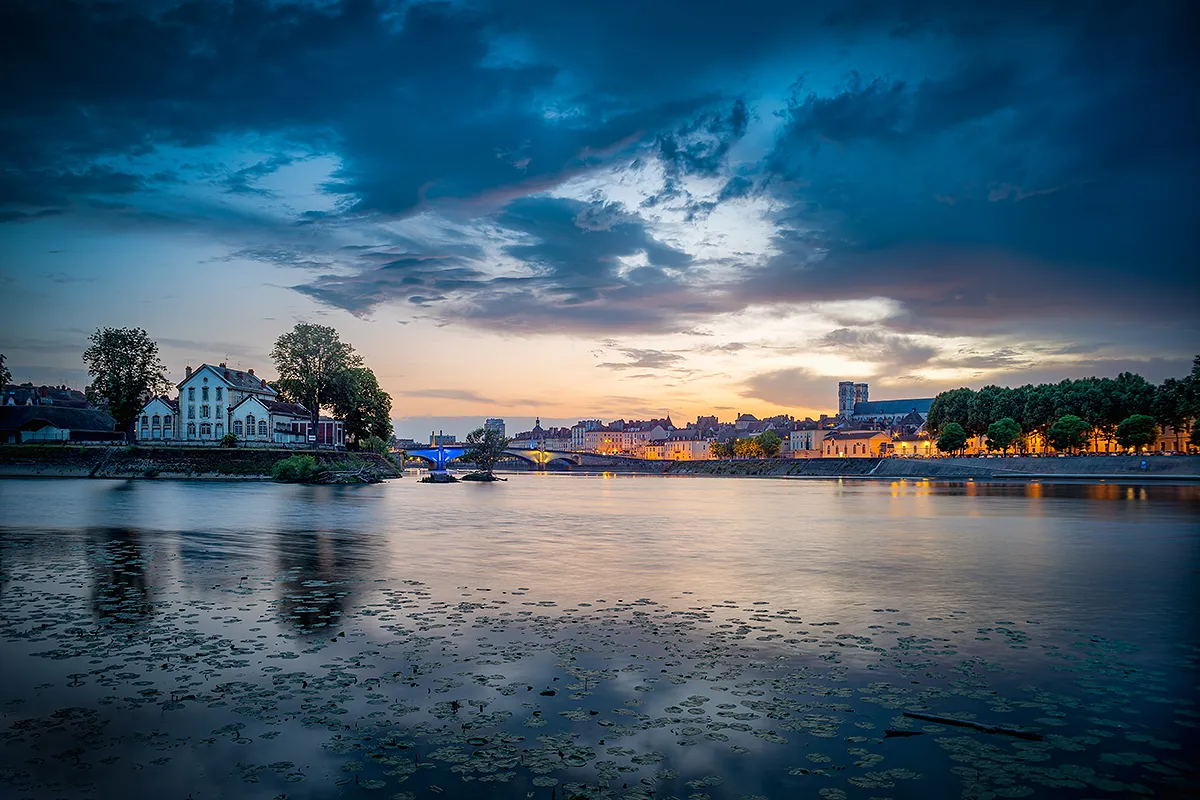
365, 408
721, 449
485, 446
5, 375
769, 444
947, 407
746, 448
1002, 433
126, 372
1069, 433
312, 361
953, 438
1137, 430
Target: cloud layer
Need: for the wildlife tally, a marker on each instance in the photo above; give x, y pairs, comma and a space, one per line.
1020, 172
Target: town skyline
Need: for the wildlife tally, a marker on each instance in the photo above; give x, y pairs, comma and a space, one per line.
731, 218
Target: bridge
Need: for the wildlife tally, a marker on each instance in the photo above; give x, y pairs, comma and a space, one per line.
439, 457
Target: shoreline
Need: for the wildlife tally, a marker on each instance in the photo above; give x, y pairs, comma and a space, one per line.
218, 464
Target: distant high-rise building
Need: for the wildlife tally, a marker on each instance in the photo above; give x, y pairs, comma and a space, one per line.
494, 424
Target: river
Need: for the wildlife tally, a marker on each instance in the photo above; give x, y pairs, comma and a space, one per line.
561, 636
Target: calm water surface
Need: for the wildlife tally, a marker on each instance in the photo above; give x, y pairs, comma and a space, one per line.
562, 636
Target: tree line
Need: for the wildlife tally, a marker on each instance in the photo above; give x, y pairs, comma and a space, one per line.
766, 445
316, 370
1127, 410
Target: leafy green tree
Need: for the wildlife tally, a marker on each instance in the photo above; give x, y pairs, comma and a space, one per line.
769, 444
947, 407
312, 361
485, 447
228, 440
365, 408
1002, 434
1137, 430
126, 372
953, 438
722, 449
1171, 404
373, 444
988, 405
5, 375
746, 448
1069, 433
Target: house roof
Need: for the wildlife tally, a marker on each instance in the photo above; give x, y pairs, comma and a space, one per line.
280, 407
168, 402
236, 378
56, 395
856, 435
81, 419
875, 407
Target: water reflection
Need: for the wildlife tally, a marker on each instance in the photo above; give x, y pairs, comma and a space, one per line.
321, 574
120, 588
573, 636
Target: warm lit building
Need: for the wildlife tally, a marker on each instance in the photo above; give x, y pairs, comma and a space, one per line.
855, 444
684, 445
914, 446
807, 443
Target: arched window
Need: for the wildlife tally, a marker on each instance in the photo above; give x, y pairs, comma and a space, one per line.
191, 429
166, 420
145, 421
262, 427
237, 427
156, 421
250, 425
220, 430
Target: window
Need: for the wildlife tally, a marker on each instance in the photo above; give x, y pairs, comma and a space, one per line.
166, 420
249, 424
156, 423
205, 412
204, 393
219, 414
262, 427
191, 394
237, 427
205, 429
191, 412
218, 394
220, 430
191, 429
145, 420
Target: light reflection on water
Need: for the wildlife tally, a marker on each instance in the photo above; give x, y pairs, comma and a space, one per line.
816, 611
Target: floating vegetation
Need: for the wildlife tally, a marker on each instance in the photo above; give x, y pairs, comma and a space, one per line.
127, 671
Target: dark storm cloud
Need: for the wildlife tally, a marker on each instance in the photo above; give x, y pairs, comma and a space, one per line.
995, 167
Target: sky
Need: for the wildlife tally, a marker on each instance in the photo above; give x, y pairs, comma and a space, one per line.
607, 209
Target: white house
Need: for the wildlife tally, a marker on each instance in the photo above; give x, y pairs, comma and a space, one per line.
257, 420
206, 393
159, 420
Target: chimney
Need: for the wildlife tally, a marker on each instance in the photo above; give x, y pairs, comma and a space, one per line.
264, 383
251, 372
222, 365
187, 373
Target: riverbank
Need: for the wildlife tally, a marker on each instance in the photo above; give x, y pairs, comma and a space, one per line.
167, 463
1180, 468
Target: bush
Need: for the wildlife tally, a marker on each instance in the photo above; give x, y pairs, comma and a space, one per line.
228, 440
294, 469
